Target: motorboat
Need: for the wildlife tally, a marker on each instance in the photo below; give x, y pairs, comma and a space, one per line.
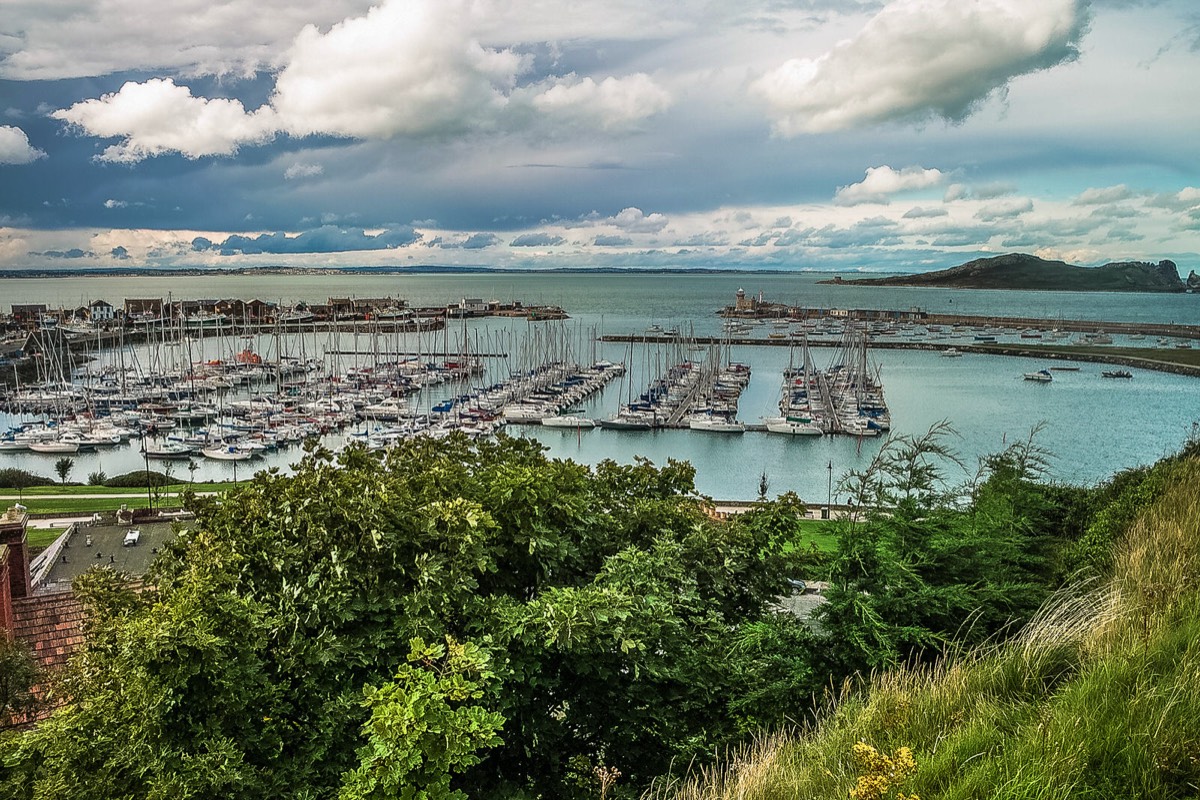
793, 426
1041, 376
568, 421
168, 451
227, 453
715, 424
1116, 373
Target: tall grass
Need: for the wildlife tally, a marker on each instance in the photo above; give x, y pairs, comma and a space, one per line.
1098, 697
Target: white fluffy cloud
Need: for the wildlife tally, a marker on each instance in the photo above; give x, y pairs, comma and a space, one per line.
1108, 194
159, 117
1006, 209
78, 38
15, 147
613, 103
302, 170
920, 58
883, 182
405, 68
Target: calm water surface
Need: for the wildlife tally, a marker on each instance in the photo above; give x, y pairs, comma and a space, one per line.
1092, 426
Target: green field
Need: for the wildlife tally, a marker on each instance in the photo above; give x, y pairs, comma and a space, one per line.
66, 491
819, 532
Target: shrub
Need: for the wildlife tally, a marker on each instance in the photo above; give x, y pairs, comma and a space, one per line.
141, 477
22, 479
97, 478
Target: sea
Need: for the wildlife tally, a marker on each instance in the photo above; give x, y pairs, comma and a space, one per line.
1090, 427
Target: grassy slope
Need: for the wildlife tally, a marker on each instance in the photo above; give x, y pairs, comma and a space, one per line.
1098, 698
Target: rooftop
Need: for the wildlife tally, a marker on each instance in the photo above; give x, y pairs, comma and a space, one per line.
105, 545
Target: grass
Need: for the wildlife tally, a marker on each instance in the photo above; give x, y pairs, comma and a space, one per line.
66, 491
1097, 698
819, 532
87, 505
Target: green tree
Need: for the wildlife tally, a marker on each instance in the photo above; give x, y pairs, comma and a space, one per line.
423, 726
608, 601
63, 467
18, 674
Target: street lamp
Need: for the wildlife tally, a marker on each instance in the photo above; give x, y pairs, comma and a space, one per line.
829, 496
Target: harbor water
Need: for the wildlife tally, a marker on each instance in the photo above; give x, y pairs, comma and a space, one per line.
1091, 426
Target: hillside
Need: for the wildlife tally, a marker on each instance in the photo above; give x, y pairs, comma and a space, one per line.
1096, 698
1022, 271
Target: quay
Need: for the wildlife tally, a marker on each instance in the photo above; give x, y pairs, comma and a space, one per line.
1141, 357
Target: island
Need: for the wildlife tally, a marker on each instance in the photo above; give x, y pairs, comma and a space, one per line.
1023, 271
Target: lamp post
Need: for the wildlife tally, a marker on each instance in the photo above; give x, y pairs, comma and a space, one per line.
829, 496
146, 459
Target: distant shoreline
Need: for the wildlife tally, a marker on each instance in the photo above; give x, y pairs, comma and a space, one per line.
175, 272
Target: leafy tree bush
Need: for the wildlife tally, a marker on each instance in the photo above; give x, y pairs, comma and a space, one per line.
610, 607
139, 478
63, 467
97, 478
22, 479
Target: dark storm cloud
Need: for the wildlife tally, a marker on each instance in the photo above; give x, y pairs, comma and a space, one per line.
74, 252
612, 240
326, 239
536, 240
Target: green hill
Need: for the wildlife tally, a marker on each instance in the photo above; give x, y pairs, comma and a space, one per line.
1022, 271
1097, 698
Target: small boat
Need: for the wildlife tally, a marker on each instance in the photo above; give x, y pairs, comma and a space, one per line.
227, 453
715, 424
1065, 369
12, 446
54, 446
1041, 376
168, 451
568, 421
793, 426
1116, 373
951, 352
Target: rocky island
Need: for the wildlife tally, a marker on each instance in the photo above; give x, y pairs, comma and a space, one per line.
1023, 271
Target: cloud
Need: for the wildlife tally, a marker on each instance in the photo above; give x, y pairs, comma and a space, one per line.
478, 241
1004, 210
982, 191
110, 203
1186, 198
536, 240
302, 170
921, 58
613, 103
1109, 194
73, 253
15, 147
612, 240
120, 253
158, 117
882, 182
409, 68
326, 239
404, 68
917, 212
635, 221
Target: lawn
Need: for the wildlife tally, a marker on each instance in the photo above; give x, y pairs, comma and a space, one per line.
69, 490
819, 532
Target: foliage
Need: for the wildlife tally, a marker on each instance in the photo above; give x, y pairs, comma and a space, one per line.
1094, 698
422, 728
63, 467
18, 674
139, 478
97, 478
22, 479
921, 566
608, 601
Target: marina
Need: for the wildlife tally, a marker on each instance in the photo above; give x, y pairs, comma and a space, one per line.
207, 405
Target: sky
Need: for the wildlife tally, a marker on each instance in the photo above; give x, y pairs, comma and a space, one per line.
764, 134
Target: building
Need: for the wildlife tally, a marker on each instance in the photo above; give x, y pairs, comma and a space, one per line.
28, 313
147, 307
100, 311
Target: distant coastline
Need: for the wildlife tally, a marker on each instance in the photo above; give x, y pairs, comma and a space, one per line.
1019, 271
166, 272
